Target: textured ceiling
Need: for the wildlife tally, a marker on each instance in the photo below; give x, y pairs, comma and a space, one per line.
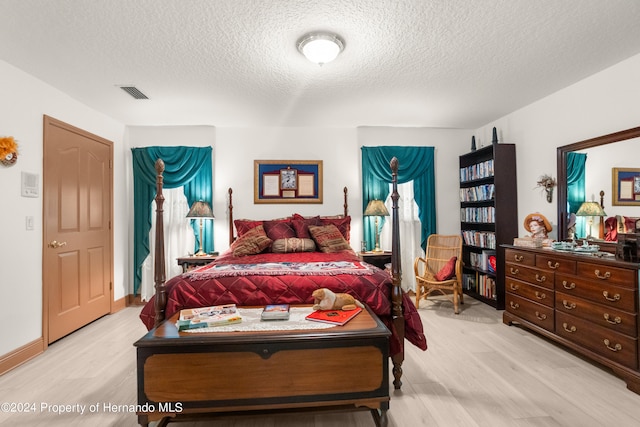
435, 63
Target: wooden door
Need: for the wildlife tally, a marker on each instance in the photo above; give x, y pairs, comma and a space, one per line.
77, 248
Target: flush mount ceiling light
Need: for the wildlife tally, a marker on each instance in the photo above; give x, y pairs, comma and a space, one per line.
320, 48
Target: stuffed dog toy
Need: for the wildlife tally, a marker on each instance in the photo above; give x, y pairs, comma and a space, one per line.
325, 299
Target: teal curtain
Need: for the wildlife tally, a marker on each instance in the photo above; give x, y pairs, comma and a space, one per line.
576, 193
188, 167
415, 164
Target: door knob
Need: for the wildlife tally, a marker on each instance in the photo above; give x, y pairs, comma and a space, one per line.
54, 244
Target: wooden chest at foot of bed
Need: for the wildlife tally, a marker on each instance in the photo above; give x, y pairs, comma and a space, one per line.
191, 373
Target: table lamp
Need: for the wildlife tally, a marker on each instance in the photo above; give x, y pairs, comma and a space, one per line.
200, 210
376, 208
590, 209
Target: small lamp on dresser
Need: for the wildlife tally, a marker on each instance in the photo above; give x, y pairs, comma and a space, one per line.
590, 209
200, 210
376, 208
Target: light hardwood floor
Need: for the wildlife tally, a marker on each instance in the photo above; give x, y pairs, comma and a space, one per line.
476, 372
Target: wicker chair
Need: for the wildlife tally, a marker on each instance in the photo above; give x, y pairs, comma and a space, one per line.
440, 250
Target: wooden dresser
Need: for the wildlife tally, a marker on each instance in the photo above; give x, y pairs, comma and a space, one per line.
585, 302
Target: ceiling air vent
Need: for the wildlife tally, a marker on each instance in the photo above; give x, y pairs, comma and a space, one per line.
134, 92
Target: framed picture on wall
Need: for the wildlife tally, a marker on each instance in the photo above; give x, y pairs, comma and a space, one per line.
287, 181
626, 187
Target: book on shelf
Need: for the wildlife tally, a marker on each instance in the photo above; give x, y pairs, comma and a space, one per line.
479, 193
489, 261
478, 171
485, 215
486, 286
275, 312
469, 282
482, 239
335, 317
206, 317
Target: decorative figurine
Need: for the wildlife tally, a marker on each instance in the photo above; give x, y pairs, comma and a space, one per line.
473, 143
495, 136
539, 227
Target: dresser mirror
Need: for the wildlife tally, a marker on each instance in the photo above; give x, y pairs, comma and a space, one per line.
622, 137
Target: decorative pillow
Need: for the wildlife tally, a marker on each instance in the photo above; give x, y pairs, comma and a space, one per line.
328, 238
343, 224
279, 229
252, 242
448, 271
611, 229
244, 225
283, 246
301, 226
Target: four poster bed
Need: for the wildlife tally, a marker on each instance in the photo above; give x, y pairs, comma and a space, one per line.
257, 277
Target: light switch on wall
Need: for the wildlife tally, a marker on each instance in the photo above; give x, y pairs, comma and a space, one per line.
29, 222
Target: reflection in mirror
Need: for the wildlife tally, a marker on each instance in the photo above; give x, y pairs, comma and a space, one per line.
599, 159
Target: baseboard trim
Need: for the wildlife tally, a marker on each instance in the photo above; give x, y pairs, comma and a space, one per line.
21, 355
30, 350
134, 300
118, 305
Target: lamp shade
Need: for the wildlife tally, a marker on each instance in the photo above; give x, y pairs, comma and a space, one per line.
590, 209
200, 209
376, 208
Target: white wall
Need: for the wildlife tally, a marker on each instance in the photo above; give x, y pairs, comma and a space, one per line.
23, 102
604, 103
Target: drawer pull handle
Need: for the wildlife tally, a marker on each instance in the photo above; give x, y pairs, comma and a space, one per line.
540, 295
604, 276
617, 347
514, 305
553, 266
540, 279
568, 285
568, 305
514, 287
616, 320
541, 316
572, 329
518, 258
514, 271
616, 297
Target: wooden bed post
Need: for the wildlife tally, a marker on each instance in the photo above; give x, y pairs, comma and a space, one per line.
396, 273
159, 265
345, 205
231, 237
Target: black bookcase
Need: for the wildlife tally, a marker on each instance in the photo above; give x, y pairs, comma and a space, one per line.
488, 218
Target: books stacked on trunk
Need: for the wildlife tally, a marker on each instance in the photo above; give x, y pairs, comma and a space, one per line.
275, 312
206, 317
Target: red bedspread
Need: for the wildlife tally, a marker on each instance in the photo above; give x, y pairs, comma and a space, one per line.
250, 284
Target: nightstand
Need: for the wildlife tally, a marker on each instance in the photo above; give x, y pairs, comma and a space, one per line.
379, 259
191, 262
